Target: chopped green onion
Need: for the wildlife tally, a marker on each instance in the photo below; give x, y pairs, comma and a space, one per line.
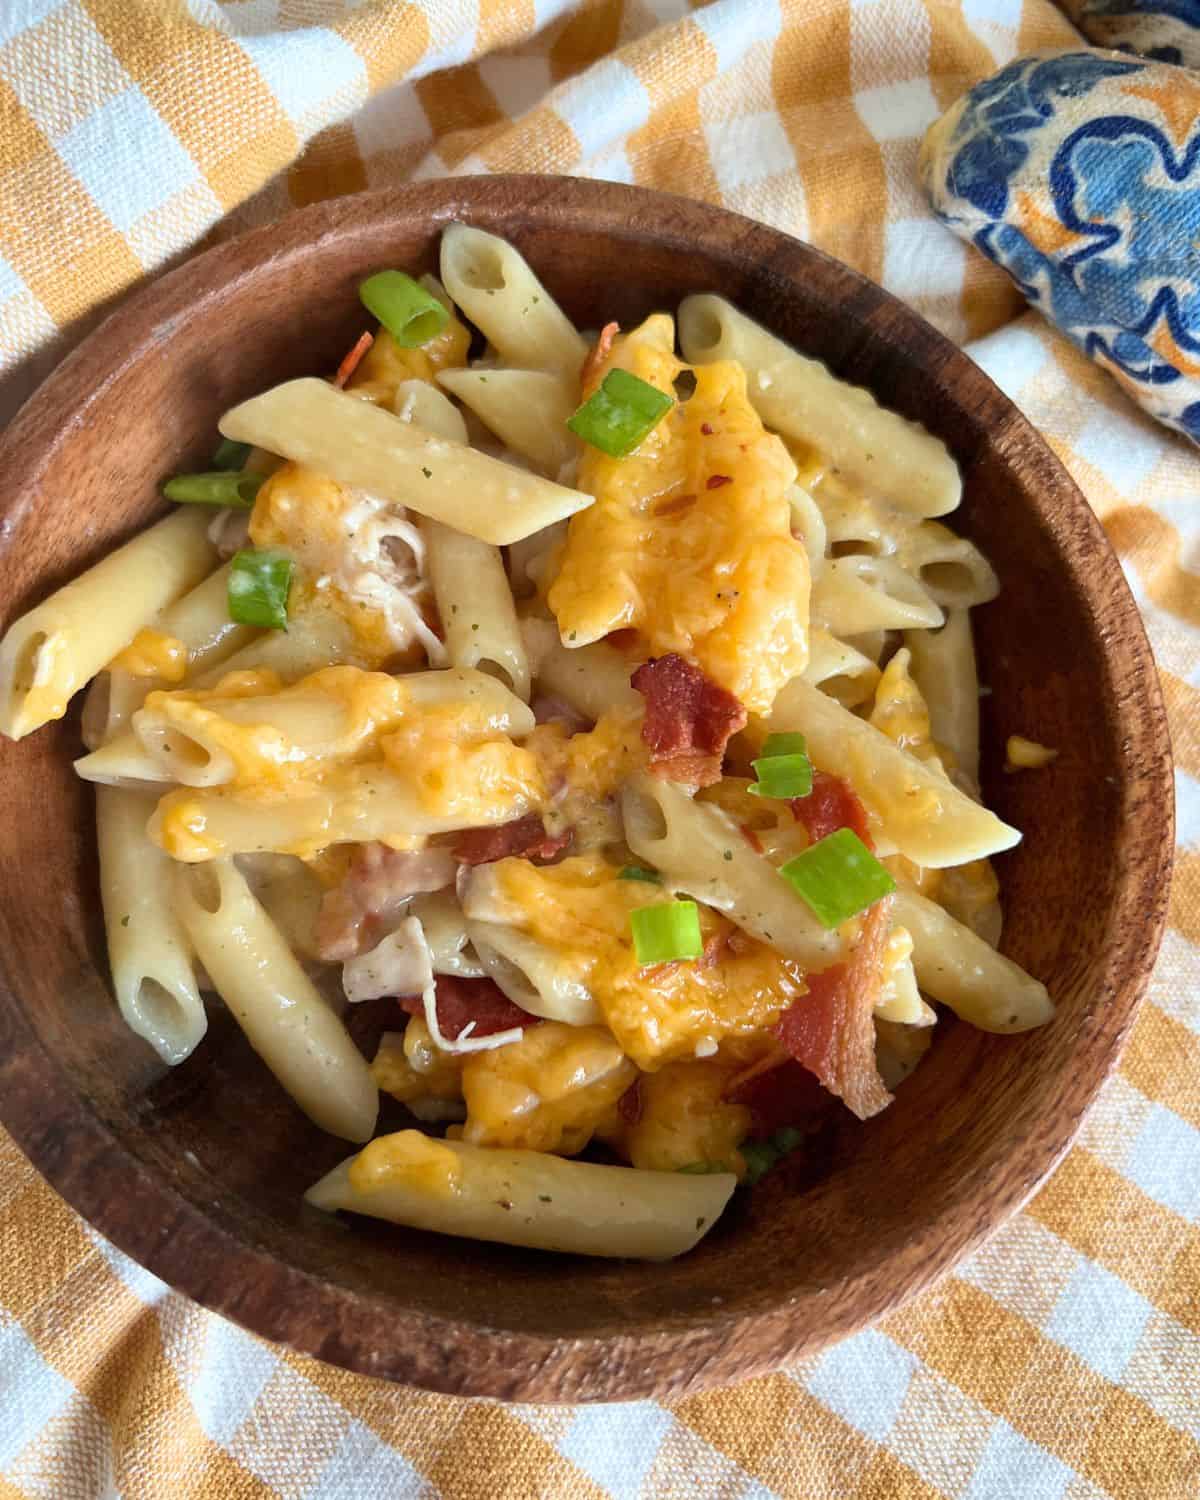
618, 416
666, 932
784, 744
410, 314
230, 455
838, 877
782, 777
636, 872
220, 488
783, 769
259, 583
761, 1156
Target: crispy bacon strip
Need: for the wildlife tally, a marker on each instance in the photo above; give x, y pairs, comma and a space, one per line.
369, 902
353, 360
688, 720
832, 804
461, 1001
831, 1029
524, 837
597, 356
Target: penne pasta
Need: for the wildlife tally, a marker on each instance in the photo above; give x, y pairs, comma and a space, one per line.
325, 719
699, 850
494, 285
124, 762
943, 667
919, 812
363, 446
808, 525
593, 679
530, 975
525, 1197
957, 967
951, 570
57, 648
148, 949
286, 1021
360, 805
200, 622
475, 604
854, 595
445, 928
802, 399
839, 669
526, 409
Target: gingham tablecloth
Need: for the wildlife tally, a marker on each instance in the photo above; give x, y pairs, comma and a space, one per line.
1061, 1361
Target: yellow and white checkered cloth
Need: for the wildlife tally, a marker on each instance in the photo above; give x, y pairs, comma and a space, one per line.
1061, 1361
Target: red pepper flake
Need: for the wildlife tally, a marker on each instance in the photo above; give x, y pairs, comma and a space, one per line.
706, 429
715, 481
353, 360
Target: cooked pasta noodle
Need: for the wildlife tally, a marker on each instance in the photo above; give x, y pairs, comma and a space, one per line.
616, 712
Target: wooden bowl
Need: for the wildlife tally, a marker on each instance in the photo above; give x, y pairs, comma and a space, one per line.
197, 1172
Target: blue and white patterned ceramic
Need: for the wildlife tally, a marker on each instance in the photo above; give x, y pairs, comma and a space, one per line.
1079, 173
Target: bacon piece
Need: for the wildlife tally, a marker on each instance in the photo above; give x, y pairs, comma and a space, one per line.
461, 1001
524, 837
353, 360
781, 1092
831, 805
831, 1029
629, 1105
597, 356
688, 719
366, 906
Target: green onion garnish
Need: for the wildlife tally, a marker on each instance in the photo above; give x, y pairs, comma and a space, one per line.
636, 872
838, 877
258, 588
618, 416
410, 314
784, 744
784, 769
666, 932
219, 488
230, 455
761, 1156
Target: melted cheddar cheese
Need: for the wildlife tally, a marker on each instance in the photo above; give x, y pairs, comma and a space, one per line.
449, 754
580, 911
689, 541
551, 1091
407, 1159
387, 365
152, 653
458, 764
684, 1120
413, 1070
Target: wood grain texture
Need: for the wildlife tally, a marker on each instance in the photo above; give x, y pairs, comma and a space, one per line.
198, 1172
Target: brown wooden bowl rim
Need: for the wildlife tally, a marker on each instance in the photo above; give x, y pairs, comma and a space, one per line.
84, 1160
